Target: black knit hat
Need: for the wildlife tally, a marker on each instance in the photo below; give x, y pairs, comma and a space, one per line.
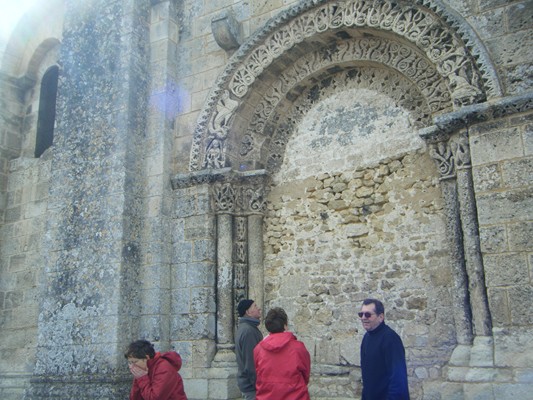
244, 305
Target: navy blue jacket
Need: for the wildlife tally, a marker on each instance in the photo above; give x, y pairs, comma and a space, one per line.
383, 365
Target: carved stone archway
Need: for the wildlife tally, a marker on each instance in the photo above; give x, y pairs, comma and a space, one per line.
425, 35
417, 52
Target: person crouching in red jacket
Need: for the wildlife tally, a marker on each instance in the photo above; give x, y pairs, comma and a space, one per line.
282, 363
155, 375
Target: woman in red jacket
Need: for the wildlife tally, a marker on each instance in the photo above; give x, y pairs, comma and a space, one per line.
282, 363
155, 375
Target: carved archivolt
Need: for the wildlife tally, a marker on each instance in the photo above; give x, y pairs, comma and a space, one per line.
401, 90
421, 28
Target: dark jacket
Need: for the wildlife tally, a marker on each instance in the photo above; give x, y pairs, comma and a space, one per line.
162, 382
248, 335
383, 365
283, 366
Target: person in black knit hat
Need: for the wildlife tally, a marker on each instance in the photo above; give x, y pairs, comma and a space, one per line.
248, 335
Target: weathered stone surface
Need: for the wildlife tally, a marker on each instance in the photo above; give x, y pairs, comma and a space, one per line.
102, 236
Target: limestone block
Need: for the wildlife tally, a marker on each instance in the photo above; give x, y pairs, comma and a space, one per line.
197, 326
495, 146
482, 352
204, 250
519, 15
520, 304
499, 306
524, 375
203, 300
512, 49
489, 24
513, 391
196, 388
443, 390
493, 239
512, 347
487, 177
514, 205
201, 274
181, 303
182, 252
506, 269
521, 236
479, 391
517, 173
528, 138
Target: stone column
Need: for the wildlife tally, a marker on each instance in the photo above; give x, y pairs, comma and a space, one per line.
255, 259
223, 381
254, 204
472, 247
224, 207
462, 315
89, 304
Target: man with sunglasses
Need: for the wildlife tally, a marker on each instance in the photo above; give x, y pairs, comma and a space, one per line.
382, 356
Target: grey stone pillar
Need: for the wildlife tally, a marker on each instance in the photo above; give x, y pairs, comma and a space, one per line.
90, 300
223, 381
224, 206
255, 259
155, 313
224, 283
472, 247
462, 315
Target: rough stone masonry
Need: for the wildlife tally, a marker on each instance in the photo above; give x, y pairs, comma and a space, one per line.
306, 154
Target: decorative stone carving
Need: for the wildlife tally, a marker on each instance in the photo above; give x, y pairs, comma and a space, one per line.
442, 153
215, 154
225, 30
224, 195
425, 24
388, 81
461, 151
253, 199
420, 26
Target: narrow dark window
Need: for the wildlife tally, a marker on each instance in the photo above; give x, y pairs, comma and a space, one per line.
47, 111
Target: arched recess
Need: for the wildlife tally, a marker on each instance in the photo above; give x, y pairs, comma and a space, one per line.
423, 41
417, 53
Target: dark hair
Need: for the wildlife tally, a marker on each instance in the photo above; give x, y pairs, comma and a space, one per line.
378, 305
276, 320
140, 349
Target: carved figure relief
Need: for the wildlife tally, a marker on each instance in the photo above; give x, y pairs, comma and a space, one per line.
218, 132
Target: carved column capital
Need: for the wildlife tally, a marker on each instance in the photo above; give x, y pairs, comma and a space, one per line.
442, 154
461, 150
224, 195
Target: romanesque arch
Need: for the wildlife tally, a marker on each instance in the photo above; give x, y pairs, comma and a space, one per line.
423, 41
419, 54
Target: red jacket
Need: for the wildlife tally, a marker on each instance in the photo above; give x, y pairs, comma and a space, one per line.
283, 365
162, 382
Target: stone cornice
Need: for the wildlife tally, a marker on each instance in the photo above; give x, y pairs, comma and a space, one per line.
446, 124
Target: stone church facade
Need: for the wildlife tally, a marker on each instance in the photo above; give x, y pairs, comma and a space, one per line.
163, 159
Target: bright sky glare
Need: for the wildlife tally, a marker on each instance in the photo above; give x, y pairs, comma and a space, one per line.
10, 13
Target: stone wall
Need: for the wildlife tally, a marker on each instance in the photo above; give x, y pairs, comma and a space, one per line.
24, 225
374, 228
356, 205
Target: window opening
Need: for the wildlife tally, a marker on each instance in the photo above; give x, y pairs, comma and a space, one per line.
47, 111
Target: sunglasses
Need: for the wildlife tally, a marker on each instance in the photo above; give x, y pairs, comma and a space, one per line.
366, 314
